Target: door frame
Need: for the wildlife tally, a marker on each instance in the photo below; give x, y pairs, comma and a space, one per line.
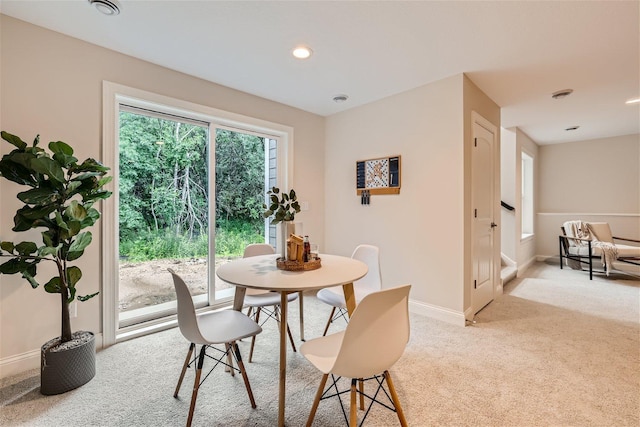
113, 95
477, 119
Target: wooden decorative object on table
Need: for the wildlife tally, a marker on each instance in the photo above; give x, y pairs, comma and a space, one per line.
298, 266
295, 248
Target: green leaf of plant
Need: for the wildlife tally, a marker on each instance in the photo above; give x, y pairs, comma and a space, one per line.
13, 266
12, 139
75, 211
37, 212
26, 248
64, 160
32, 281
49, 167
73, 275
7, 246
45, 251
60, 222
21, 223
60, 147
53, 286
86, 297
77, 247
38, 196
292, 194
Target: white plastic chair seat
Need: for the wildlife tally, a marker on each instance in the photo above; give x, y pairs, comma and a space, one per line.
335, 295
225, 326
266, 299
322, 353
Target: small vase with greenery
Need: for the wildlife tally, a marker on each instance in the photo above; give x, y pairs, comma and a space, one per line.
59, 200
283, 207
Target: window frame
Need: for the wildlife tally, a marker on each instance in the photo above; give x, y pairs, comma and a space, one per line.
113, 96
527, 189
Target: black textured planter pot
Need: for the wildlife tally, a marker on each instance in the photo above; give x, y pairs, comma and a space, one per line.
65, 369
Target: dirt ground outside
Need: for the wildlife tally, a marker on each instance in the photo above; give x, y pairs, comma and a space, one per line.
144, 284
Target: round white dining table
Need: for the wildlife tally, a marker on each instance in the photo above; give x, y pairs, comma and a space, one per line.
261, 272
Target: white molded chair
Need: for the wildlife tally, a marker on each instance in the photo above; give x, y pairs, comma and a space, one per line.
372, 282
259, 301
208, 329
373, 341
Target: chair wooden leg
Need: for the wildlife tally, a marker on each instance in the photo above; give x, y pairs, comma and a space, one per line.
396, 401
300, 295
333, 310
253, 338
230, 360
361, 383
316, 401
353, 413
196, 385
243, 371
192, 346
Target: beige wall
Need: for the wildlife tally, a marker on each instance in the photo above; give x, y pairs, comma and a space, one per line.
595, 180
422, 231
52, 85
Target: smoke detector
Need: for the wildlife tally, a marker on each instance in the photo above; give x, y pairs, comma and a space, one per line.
561, 93
107, 7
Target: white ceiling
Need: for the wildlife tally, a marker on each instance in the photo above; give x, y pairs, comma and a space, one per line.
517, 52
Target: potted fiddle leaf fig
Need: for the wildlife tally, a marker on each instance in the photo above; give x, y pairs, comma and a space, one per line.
59, 201
283, 207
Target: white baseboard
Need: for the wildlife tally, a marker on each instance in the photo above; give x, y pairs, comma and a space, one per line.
19, 363
437, 312
524, 266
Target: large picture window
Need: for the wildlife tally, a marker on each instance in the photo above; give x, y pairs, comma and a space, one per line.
190, 186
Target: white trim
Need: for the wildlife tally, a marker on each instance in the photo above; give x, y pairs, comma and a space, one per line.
113, 95
587, 214
437, 312
523, 267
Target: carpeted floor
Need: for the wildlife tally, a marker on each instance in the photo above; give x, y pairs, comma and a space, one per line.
555, 350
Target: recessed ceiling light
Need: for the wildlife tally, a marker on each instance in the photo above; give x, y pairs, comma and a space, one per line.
633, 101
561, 93
107, 7
302, 52
572, 128
340, 98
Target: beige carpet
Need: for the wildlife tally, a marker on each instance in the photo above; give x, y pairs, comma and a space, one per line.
555, 350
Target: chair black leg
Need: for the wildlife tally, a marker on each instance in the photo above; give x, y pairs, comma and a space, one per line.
243, 371
196, 385
253, 338
333, 310
192, 346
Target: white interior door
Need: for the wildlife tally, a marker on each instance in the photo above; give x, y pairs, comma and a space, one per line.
483, 223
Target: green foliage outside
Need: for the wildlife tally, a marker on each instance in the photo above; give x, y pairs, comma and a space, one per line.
163, 189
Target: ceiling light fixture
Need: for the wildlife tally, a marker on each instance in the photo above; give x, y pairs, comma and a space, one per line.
572, 128
302, 52
340, 98
106, 7
633, 101
561, 93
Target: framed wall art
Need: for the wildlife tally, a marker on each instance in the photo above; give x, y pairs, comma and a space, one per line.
378, 176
